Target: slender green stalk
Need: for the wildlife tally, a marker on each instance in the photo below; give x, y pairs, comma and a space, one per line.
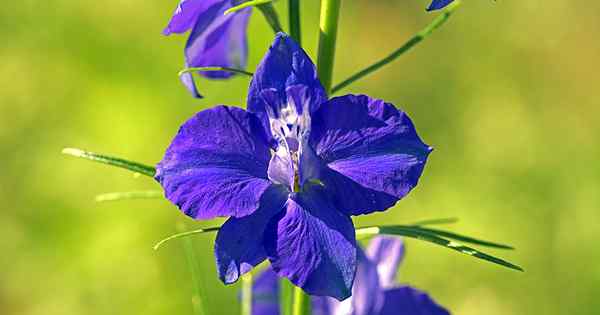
437, 22
111, 160
294, 14
247, 294
247, 4
184, 235
301, 302
330, 12
271, 16
234, 70
286, 296
128, 195
193, 264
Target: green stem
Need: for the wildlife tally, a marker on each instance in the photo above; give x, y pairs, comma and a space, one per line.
437, 22
294, 14
285, 296
271, 16
193, 264
330, 12
247, 294
301, 302
234, 70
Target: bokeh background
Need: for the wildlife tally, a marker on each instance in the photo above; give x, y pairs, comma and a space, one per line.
506, 92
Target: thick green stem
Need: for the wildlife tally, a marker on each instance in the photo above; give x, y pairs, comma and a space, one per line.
286, 296
247, 294
330, 12
294, 14
301, 302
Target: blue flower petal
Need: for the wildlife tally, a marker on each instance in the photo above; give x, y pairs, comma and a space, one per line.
285, 65
217, 164
186, 14
188, 81
239, 243
408, 300
387, 253
373, 154
438, 4
313, 245
219, 40
265, 293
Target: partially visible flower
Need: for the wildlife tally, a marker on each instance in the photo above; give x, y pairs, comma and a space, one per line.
375, 291
215, 39
438, 4
291, 171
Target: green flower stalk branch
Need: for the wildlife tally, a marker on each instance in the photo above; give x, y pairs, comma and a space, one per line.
286, 296
294, 14
302, 304
420, 36
271, 16
227, 69
247, 294
129, 195
330, 12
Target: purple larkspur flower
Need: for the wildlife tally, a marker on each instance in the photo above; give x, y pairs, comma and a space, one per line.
375, 291
290, 171
438, 4
215, 39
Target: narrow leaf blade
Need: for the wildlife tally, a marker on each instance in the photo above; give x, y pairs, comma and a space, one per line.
462, 238
434, 239
184, 234
113, 161
129, 195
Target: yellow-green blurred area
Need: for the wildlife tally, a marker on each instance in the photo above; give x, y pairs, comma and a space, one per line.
506, 92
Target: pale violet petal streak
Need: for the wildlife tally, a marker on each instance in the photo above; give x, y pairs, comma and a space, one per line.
373, 154
239, 243
217, 164
386, 253
187, 78
313, 245
284, 65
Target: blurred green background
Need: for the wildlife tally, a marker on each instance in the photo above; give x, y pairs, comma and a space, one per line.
504, 92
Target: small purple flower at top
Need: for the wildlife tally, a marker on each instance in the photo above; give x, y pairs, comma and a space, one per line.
215, 40
438, 4
375, 291
291, 171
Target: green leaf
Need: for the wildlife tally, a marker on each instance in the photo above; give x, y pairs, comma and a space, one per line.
423, 235
129, 195
184, 234
463, 238
437, 22
435, 221
227, 69
247, 4
114, 161
271, 16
